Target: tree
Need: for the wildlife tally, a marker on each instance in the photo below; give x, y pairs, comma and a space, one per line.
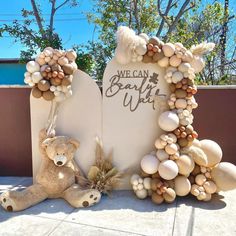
151, 16
172, 20
43, 36
223, 37
186, 21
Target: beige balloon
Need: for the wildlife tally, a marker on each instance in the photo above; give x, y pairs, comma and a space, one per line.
182, 186
197, 154
224, 176
212, 151
185, 164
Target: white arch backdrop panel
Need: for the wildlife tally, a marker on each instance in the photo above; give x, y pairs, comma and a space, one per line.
130, 124
80, 116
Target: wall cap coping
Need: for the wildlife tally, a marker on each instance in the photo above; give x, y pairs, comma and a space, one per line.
199, 86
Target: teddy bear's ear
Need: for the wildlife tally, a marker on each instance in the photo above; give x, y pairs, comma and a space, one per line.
47, 141
75, 142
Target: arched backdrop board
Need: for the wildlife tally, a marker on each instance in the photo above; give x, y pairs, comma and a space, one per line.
130, 124
127, 129
80, 117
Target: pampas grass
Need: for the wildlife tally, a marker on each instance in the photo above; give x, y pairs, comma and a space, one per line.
202, 48
102, 176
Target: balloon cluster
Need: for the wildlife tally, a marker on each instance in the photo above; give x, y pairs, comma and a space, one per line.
181, 164
51, 74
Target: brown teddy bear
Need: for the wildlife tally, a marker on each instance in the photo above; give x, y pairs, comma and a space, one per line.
56, 178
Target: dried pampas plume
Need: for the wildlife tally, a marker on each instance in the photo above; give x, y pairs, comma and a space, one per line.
102, 176
125, 36
127, 41
160, 103
202, 48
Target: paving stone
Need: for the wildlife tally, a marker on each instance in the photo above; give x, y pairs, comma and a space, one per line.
24, 225
216, 217
72, 229
50, 208
124, 212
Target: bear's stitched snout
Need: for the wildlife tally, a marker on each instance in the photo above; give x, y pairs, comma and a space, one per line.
59, 163
60, 160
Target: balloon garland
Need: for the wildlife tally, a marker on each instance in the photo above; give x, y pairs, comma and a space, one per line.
181, 163
50, 75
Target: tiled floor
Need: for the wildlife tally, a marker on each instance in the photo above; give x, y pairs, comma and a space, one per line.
121, 215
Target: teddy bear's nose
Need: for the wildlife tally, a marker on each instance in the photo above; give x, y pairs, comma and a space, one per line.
59, 163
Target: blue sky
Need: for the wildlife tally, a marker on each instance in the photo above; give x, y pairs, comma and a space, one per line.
71, 31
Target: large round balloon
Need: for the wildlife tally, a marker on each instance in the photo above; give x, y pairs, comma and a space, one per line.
168, 169
149, 164
185, 164
224, 176
182, 185
213, 152
168, 121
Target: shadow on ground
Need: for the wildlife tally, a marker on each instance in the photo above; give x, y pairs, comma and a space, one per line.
119, 200
216, 203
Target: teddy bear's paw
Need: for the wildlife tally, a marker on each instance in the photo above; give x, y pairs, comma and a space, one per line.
7, 202
90, 198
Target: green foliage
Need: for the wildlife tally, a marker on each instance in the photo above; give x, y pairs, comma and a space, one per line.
34, 40
108, 15
200, 26
199, 23
84, 60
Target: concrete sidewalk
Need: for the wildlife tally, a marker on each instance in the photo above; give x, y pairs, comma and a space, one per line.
122, 214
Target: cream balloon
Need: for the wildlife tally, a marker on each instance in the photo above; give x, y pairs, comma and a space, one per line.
168, 169
213, 152
182, 185
32, 66
162, 155
168, 49
168, 121
141, 194
133, 178
36, 77
149, 164
185, 164
147, 183
224, 176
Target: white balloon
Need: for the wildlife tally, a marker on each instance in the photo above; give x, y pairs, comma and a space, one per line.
168, 121
133, 178
149, 164
147, 183
141, 194
182, 186
36, 77
32, 66
162, 155
212, 150
168, 169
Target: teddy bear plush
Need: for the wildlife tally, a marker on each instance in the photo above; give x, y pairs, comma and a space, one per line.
56, 177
